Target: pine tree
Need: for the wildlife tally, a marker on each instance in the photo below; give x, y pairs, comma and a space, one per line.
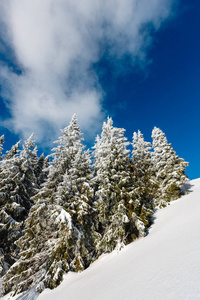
118, 224
75, 194
63, 155
28, 185
11, 212
58, 230
144, 183
169, 169
17, 186
42, 258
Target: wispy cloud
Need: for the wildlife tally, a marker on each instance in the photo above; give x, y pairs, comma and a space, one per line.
55, 45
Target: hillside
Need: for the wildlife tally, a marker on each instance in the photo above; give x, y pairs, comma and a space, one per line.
163, 265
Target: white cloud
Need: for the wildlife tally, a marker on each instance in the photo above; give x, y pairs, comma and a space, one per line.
55, 44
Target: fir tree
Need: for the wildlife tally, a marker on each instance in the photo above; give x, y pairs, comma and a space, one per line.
17, 186
118, 224
58, 230
75, 194
68, 146
144, 182
42, 258
169, 169
11, 212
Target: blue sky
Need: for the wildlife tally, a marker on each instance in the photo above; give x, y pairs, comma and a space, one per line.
139, 66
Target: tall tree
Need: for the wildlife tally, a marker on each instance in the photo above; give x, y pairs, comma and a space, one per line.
144, 182
169, 169
57, 232
113, 192
17, 185
68, 145
11, 212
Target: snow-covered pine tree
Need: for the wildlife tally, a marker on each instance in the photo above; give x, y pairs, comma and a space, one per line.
144, 185
169, 169
57, 231
76, 194
10, 211
116, 223
17, 186
28, 182
68, 146
42, 258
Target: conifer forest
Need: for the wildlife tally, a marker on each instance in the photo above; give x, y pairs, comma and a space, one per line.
61, 212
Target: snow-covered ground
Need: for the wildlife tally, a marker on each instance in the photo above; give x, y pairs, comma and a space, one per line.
164, 265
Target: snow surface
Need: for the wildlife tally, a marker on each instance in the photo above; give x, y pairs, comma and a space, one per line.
163, 265
63, 217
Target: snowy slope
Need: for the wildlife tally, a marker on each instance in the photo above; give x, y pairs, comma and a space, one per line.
163, 265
